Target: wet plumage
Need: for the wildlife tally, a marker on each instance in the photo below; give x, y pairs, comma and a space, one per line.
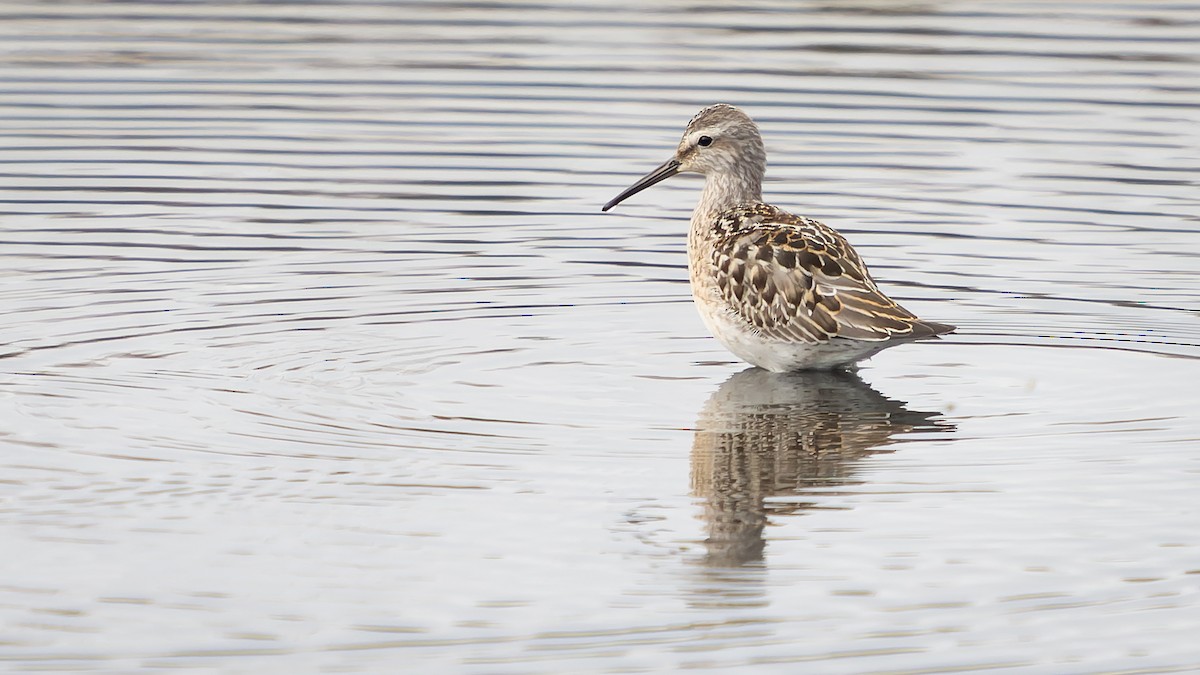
782, 292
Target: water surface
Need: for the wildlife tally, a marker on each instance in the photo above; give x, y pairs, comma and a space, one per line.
319, 356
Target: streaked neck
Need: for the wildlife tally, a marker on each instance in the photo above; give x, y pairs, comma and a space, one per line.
726, 189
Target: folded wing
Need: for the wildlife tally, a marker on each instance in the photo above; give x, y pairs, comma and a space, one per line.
796, 279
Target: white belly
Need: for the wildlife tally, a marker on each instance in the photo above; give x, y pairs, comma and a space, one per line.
778, 355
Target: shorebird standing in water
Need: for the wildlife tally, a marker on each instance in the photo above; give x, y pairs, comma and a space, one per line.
782, 292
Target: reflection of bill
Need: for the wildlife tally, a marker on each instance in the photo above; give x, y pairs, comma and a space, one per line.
765, 434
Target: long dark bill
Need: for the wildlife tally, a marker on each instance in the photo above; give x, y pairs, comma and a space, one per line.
669, 168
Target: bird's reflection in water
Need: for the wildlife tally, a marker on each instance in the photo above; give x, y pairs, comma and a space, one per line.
764, 434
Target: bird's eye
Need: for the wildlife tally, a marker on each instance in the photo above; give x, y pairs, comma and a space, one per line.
704, 141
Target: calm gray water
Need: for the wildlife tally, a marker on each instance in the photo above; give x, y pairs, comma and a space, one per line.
319, 356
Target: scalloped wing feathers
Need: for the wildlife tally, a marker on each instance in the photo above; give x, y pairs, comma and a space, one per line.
796, 279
